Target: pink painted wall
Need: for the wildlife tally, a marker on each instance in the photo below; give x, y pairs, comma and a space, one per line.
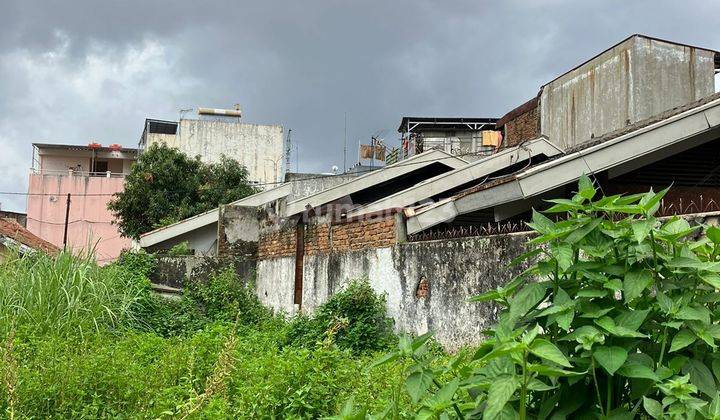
90, 222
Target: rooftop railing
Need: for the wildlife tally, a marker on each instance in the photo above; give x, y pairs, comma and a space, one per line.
78, 173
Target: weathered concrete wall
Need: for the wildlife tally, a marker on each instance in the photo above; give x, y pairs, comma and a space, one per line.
238, 230
453, 271
308, 184
257, 147
176, 271
275, 283
634, 80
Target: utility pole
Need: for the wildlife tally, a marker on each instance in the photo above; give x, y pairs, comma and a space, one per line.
345, 146
67, 216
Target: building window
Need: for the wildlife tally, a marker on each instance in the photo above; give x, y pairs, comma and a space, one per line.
100, 166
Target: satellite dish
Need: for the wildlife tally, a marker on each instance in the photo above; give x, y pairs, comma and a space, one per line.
335, 169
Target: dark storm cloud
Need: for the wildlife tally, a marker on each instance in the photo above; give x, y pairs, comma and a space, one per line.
71, 71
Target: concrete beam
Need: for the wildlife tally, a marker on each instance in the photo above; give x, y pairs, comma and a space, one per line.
374, 178
471, 172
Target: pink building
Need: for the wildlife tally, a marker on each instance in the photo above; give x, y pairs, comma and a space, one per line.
91, 175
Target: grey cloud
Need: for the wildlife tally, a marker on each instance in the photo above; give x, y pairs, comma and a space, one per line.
301, 64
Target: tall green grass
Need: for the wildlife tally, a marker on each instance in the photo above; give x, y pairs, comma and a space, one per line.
66, 295
82, 341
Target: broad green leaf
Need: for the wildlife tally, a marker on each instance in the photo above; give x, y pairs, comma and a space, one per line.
565, 319
525, 256
608, 324
563, 253
713, 410
694, 313
580, 332
586, 188
632, 369
700, 376
502, 350
405, 344
641, 229
386, 358
676, 225
613, 284
652, 203
421, 340
530, 335
418, 383
526, 299
446, 393
713, 233
636, 281
563, 300
712, 279
537, 385
583, 231
681, 340
610, 358
632, 319
592, 293
677, 363
501, 390
547, 350
666, 304
653, 408
541, 223
551, 371
488, 296
594, 311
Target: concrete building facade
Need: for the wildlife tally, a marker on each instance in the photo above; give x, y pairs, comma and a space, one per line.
258, 147
91, 175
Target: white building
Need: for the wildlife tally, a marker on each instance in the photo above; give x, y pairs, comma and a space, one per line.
218, 132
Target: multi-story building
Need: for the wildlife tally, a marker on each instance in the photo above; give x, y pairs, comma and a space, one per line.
218, 132
470, 138
88, 176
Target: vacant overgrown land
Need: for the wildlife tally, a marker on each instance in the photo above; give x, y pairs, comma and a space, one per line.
82, 341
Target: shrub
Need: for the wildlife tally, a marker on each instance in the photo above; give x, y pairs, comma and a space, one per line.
223, 298
183, 248
354, 318
617, 317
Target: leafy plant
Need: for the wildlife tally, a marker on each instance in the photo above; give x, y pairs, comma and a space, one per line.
616, 317
354, 318
181, 249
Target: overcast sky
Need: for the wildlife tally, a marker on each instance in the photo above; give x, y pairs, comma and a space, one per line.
71, 71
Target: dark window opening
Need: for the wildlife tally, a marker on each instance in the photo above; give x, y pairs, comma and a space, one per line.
100, 166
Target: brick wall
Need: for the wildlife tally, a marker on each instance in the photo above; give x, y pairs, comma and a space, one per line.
280, 243
325, 237
525, 126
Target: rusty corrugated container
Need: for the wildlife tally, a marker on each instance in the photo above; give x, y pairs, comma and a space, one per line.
633, 80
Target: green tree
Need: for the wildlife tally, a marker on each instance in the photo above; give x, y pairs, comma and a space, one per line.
166, 186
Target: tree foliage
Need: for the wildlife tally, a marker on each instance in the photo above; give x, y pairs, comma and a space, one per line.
617, 317
166, 186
